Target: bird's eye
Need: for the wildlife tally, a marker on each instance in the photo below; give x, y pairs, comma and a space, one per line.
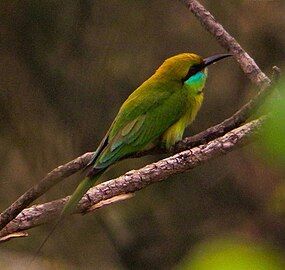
192, 70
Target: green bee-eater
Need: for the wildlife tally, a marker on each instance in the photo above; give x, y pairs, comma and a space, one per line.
156, 113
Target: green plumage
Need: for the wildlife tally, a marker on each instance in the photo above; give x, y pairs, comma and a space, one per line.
157, 112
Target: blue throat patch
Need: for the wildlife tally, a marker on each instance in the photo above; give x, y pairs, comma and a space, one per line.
197, 80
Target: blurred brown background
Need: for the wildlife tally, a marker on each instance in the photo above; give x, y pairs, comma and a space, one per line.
67, 66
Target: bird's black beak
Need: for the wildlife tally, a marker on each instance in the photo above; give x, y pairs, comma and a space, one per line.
215, 58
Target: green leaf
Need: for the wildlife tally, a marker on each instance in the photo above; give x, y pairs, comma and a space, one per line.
232, 254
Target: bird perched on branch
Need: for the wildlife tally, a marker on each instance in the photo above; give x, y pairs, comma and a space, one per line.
156, 113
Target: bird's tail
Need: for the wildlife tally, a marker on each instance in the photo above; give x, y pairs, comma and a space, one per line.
81, 189
70, 206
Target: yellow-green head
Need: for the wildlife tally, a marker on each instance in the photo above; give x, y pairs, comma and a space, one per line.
188, 68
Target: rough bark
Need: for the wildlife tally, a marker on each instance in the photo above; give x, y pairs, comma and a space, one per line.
112, 190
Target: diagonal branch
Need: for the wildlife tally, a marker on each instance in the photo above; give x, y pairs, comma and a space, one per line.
51, 179
247, 64
249, 67
137, 179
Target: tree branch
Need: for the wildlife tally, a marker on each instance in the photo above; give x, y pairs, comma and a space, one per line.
135, 180
247, 64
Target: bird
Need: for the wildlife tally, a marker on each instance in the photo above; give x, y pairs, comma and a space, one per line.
155, 114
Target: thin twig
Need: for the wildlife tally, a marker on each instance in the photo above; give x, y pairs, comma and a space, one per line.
247, 64
137, 179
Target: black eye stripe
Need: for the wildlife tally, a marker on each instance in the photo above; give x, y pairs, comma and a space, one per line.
193, 70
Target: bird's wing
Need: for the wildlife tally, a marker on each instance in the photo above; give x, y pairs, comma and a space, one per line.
143, 118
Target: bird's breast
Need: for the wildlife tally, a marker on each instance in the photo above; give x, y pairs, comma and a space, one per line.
194, 105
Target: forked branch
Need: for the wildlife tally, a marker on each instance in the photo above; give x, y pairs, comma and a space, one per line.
135, 180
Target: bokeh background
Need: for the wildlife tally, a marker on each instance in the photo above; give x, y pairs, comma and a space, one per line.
67, 66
